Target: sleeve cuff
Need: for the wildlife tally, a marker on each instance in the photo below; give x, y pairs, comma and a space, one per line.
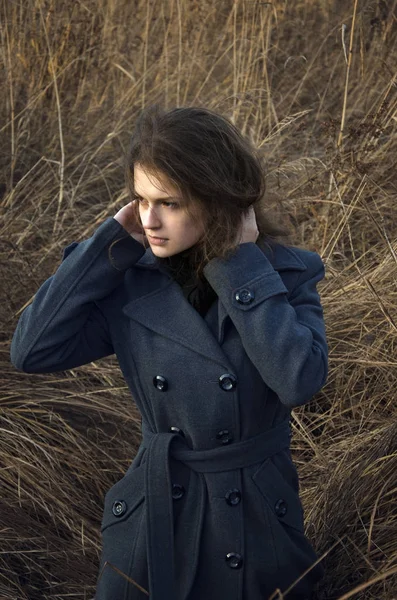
247, 277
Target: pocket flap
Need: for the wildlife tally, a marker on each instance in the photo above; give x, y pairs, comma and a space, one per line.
123, 498
283, 500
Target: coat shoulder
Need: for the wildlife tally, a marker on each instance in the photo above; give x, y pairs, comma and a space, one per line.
286, 258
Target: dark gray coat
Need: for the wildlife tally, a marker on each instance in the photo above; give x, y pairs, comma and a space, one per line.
209, 508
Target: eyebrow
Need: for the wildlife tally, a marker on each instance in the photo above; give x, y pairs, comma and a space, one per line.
157, 200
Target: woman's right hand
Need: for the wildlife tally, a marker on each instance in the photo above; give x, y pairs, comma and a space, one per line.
128, 218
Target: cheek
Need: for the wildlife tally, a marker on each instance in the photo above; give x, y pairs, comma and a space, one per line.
198, 229
194, 226
185, 229
192, 232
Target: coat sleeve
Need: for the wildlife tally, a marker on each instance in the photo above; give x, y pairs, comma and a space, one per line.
284, 337
64, 327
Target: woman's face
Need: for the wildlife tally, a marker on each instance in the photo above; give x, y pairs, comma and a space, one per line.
163, 215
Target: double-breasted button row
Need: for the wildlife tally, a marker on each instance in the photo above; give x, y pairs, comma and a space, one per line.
232, 497
227, 382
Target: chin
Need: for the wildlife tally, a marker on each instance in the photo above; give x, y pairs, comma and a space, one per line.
160, 251
164, 251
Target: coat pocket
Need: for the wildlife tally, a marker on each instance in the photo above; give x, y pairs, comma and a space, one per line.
122, 530
283, 500
293, 551
123, 498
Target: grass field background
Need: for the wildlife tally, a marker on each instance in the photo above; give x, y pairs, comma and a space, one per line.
313, 83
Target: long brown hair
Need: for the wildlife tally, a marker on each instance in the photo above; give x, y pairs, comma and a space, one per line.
213, 167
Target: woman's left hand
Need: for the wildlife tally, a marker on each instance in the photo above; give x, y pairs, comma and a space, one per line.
249, 228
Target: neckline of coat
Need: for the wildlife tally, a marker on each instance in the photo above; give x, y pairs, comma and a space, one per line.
281, 257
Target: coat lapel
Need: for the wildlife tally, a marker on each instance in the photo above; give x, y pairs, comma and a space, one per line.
167, 312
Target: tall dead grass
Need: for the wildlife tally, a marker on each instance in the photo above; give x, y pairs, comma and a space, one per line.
75, 76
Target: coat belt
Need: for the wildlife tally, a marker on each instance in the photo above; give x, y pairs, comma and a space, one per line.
159, 504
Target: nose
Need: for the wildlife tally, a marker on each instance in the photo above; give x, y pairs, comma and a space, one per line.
149, 219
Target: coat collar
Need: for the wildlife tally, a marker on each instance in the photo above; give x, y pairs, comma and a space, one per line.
172, 316
281, 258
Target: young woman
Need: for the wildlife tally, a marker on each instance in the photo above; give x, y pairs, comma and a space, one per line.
218, 329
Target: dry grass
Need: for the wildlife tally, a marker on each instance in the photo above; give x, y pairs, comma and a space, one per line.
75, 77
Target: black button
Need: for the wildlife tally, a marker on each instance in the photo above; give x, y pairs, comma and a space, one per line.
160, 383
234, 560
224, 436
177, 491
244, 296
227, 382
119, 507
177, 430
233, 497
280, 508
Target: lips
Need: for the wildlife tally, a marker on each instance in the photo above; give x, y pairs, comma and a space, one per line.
156, 237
